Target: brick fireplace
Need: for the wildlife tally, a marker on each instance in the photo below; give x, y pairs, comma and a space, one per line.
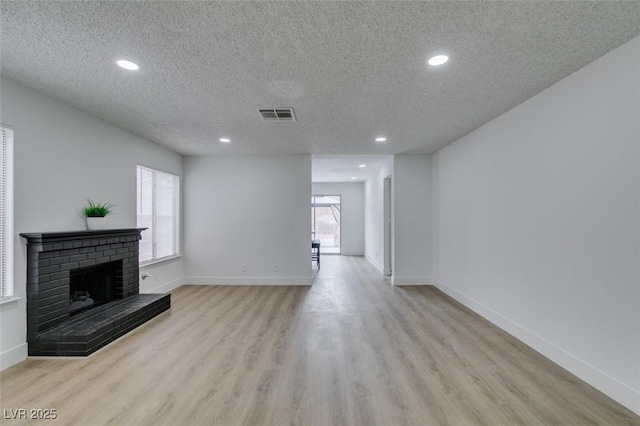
83, 290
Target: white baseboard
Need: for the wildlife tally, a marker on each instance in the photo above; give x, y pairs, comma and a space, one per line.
13, 356
396, 281
248, 280
600, 380
166, 287
375, 264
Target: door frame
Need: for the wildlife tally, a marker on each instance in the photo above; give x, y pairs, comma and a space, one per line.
387, 225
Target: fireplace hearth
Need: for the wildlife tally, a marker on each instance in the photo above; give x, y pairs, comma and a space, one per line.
83, 290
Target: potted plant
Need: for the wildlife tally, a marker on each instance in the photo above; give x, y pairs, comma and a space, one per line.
95, 213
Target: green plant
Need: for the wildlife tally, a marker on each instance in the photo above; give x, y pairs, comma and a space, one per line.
98, 209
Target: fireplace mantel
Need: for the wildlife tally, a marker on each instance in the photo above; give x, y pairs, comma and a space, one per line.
53, 237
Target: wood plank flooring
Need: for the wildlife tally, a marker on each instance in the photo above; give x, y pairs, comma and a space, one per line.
351, 350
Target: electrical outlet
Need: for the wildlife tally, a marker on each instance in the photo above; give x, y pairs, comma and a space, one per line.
276, 267
243, 267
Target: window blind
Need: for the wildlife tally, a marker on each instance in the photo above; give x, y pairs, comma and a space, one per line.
158, 211
6, 213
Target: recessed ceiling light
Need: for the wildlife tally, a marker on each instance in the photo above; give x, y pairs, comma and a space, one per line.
225, 140
438, 60
362, 166
353, 178
128, 65
381, 139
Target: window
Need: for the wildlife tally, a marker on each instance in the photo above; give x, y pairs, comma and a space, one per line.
158, 210
6, 213
325, 222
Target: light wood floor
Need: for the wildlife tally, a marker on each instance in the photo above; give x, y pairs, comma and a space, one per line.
351, 350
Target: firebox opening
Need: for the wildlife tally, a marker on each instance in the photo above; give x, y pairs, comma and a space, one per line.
92, 286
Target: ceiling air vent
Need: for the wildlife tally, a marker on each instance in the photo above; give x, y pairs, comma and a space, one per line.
277, 114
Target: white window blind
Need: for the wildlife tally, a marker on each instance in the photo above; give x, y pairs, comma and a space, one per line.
6, 213
158, 210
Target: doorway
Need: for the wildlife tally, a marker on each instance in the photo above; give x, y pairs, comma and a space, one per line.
326, 223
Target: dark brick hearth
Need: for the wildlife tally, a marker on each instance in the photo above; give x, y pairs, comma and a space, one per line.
50, 259
89, 331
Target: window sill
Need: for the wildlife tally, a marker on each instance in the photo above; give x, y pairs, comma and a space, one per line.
162, 259
9, 299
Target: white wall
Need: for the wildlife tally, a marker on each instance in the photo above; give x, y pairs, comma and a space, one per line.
373, 216
412, 221
63, 156
351, 214
537, 219
252, 210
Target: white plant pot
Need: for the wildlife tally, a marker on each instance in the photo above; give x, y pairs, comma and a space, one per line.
95, 223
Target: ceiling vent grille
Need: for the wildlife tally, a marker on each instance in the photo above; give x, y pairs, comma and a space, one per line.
277, 114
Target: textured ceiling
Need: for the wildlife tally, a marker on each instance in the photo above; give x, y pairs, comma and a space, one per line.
351, 70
